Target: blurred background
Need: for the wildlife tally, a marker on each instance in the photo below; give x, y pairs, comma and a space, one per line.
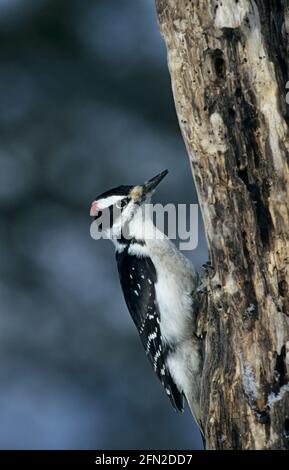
85, 105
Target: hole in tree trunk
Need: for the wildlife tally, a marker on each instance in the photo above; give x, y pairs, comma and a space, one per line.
283, 288
280, 370
219, 64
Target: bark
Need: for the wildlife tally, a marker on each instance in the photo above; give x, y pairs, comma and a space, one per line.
228, 61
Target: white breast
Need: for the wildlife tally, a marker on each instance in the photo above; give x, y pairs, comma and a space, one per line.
176, 280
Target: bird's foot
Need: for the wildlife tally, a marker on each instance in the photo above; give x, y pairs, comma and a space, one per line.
202, 289
208, 267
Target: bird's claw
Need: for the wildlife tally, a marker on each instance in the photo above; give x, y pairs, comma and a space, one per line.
202, 289
208, 266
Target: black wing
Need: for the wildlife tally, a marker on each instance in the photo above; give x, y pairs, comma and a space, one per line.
138, 277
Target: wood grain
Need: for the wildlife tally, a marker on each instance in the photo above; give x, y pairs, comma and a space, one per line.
228, 62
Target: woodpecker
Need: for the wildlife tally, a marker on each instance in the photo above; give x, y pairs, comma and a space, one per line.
159, 286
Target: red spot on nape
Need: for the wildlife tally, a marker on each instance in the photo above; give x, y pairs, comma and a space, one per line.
94, 209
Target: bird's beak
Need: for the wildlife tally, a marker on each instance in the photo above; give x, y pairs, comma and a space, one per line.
151, 184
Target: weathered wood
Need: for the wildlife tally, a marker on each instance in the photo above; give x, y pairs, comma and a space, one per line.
228, 61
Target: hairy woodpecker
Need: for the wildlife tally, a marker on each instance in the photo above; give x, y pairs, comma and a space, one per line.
159, 285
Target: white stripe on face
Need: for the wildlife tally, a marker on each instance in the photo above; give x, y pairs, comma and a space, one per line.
108, 201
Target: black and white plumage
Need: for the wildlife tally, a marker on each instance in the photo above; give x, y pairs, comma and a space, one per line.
138, 278
158, 284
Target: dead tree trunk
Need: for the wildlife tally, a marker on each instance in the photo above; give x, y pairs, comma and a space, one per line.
228, 61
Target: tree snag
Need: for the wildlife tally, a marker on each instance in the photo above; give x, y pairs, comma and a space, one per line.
228, 61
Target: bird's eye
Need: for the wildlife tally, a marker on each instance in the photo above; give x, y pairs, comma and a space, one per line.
99, 214
121, 204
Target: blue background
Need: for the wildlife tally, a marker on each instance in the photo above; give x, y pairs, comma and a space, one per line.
85, 105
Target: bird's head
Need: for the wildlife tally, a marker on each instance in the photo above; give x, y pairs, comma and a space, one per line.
113, 210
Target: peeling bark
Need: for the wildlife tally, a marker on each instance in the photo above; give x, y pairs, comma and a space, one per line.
228, 62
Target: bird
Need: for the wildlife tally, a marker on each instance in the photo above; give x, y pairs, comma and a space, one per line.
160, 287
